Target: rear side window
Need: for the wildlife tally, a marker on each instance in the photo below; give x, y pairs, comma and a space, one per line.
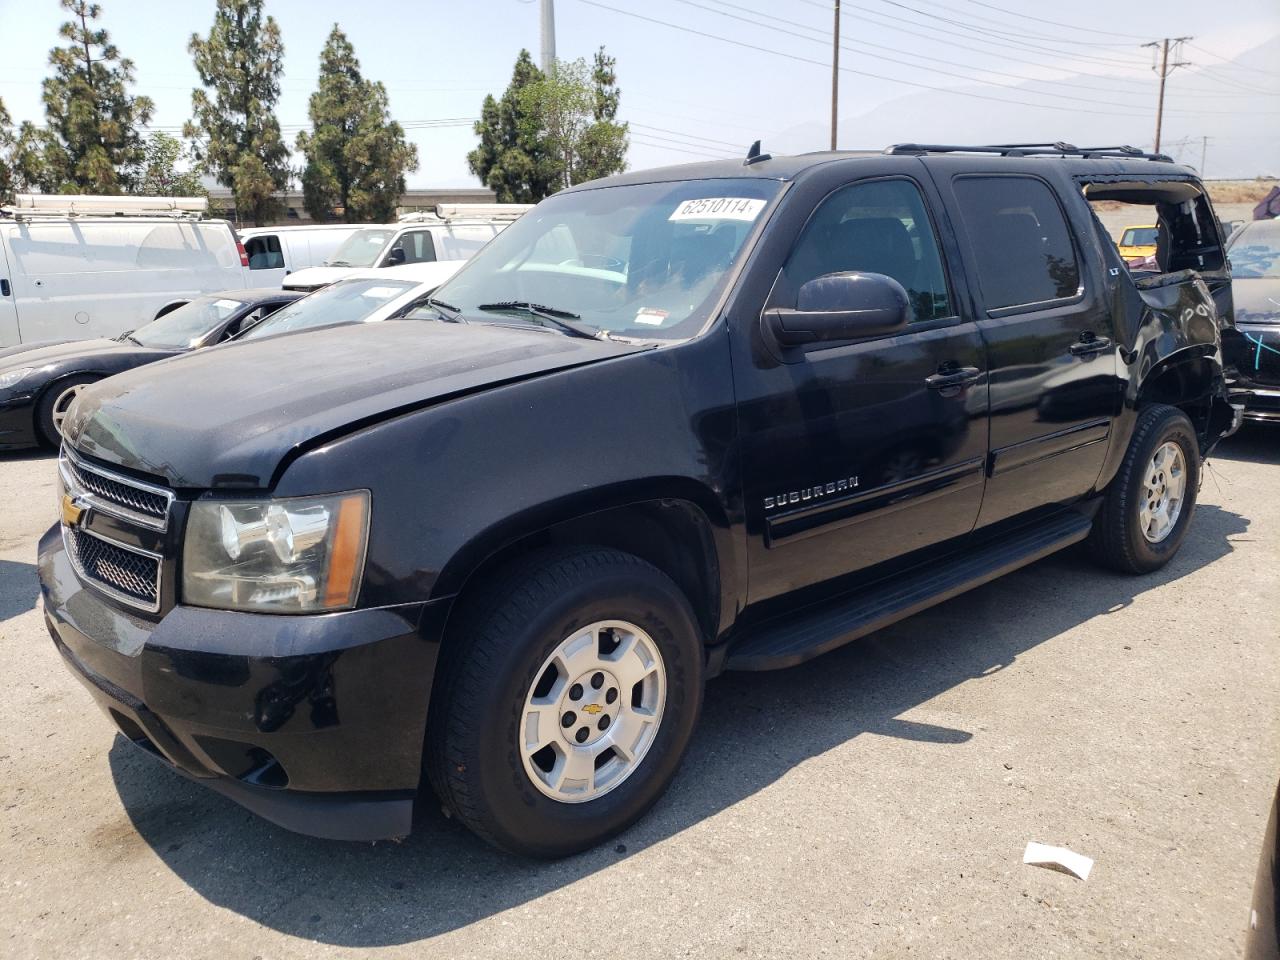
1020, 240
880, 226
264, 252
417, 247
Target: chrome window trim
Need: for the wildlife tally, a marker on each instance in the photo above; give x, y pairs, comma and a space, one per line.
74, 556
110, 507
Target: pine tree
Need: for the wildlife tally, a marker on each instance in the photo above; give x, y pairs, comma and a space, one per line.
92, 144
603, 149
7, 141
356, 154
513, 159
234, 132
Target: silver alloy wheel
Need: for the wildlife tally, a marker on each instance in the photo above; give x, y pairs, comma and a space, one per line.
1164, 488
63, 404
593, 711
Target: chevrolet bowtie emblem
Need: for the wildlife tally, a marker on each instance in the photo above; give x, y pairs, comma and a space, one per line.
72, 512
592, 708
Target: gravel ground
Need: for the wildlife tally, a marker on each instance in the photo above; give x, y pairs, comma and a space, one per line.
872, 803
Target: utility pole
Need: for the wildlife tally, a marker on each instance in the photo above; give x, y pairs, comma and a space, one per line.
1163, 71
1204, 149
548, 36
835, 75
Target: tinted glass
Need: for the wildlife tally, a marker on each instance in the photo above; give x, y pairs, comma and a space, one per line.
264, 253
1139, 237
1255, 251
347, 301
417, 247
181, 328
643, 260
876, 227
1020, 240
361, 249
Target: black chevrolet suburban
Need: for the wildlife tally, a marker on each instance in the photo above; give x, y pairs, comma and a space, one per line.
723, 416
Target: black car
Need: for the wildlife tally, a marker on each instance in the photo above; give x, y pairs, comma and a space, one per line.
722, 416
39, 381
1254, 251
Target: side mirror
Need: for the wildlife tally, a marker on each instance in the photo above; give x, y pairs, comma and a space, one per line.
842, 306
395, 257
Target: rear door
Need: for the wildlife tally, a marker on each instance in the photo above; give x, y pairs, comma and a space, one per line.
10, 333
1051, 346
863, 452
267, 262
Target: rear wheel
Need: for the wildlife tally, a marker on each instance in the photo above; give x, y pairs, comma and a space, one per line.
52, 409
567, 694
1148, 507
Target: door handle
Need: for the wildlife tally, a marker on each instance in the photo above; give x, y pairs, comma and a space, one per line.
952, 377
4, 288
1088, 344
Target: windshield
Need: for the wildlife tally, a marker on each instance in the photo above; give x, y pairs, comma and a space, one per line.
361, 249
645, 261
1255, 251
184, 327
1139, 237
347, 301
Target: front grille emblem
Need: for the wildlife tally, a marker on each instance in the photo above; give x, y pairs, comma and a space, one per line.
72, 510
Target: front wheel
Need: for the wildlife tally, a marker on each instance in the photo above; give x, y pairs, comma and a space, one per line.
1148, 506
568, 692
54, 405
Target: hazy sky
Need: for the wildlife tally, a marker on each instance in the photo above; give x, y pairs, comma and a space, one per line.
693, 94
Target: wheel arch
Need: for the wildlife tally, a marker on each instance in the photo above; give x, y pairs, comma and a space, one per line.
51, 386
1191, 380
679, 528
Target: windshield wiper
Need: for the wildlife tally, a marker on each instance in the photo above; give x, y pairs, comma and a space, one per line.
562, 319
451, 313
131, 338
337, 263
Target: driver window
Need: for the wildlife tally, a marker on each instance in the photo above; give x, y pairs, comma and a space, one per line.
879, 226
417, 248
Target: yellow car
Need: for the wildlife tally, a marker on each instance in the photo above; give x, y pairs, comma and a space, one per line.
1138, 242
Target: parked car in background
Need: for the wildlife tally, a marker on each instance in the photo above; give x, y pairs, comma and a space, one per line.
366, 296
38, 383
452, 231
81, 268
1254, 251
1138, 242
276, 252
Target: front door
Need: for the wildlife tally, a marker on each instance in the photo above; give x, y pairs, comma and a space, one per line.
862, 452
1055, 386
10, 335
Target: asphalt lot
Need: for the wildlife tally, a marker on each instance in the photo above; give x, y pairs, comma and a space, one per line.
872, 803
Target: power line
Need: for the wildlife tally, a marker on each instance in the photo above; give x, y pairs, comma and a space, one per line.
1017, 34
1054, 23
1165, 69
1232, 63
861, 73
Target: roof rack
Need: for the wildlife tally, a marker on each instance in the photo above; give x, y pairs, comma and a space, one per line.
445, 212
28, 206
1059, 149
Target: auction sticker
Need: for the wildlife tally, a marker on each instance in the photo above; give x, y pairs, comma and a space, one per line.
718, 208
650, 316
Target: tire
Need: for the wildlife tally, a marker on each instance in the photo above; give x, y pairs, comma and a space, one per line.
1120, 540
53, 404
496, 659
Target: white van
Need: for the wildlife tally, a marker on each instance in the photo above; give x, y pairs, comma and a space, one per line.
451, 231
276, 252
80, 267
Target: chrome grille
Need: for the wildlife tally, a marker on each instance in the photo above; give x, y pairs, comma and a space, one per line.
129, 575
114, 494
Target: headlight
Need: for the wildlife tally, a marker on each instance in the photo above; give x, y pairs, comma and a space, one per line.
10, 378
299, 555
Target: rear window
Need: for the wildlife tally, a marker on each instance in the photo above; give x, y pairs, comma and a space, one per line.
264, 252
1020, 240
1139, 237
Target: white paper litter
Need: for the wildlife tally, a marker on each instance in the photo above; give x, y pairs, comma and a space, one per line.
1042, 855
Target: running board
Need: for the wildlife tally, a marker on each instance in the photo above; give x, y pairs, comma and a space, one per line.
794, 637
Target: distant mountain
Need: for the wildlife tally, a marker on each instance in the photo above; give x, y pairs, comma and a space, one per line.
1244, 137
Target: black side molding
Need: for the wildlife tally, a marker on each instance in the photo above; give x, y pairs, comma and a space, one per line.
792, 638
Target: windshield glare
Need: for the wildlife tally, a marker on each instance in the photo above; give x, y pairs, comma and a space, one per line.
645, 261
361, 249
183, 328
1255, 251
347, 301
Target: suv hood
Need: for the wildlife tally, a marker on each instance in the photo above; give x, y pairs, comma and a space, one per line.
227, 416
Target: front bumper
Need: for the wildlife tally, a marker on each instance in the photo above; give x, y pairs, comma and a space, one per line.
1256, 362
313, 722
